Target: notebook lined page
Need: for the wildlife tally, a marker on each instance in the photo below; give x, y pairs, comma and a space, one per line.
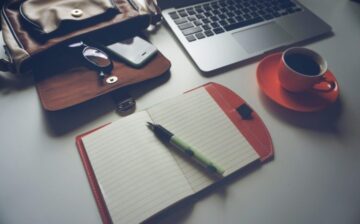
197, 119
137, 175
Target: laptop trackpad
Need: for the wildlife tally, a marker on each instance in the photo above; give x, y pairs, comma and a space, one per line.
262, 37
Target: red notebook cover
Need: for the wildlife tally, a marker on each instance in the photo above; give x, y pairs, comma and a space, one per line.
252, 128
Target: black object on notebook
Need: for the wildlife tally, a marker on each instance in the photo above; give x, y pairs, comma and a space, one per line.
245, 111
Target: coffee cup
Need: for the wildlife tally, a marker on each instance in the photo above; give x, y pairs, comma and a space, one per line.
301, 69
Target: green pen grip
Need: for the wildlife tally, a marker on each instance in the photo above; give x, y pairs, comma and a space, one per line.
190, 151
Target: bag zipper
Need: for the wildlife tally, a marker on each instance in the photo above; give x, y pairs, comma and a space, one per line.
134, 5
27, 19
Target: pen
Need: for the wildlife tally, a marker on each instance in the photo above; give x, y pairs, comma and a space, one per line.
166, 136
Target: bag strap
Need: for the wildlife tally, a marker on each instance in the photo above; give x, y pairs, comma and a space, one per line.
153, 9
6, 64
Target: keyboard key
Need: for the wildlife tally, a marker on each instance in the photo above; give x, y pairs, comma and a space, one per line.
222, 4
267, 17
231, 21
237, 12
199, 10
276, 8
290, 10
206, 27
191, 30
214, 25
218, 30
191, 18
189, 9
214, 5
254, 14
260, 6
239, 18
216, 12
191, 12
207, 7
224, 10
190, 38
269, 11
207, 14
197, 23
199, 16
200, 36
180, 21
285, 5
229, 2
222, 16
205, 21
209, 33
183, 13
223, 23
230, 14
247, 17
240, 7
243, 24
174, 15
261, 12
185, 26
231, 8
275, 14
214, 18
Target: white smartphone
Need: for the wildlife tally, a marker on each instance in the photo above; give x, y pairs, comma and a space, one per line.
134, 51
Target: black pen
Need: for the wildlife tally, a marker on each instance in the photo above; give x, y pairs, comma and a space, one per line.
166, 136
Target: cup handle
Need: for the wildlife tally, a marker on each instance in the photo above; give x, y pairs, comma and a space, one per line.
324, 85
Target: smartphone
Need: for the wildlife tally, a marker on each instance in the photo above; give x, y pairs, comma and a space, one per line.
135, 51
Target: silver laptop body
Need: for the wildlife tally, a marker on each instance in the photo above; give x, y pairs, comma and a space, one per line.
237, 42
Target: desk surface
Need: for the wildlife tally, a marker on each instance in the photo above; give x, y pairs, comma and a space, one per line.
314, 177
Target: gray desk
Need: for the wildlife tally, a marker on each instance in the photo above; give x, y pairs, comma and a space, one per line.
314, 177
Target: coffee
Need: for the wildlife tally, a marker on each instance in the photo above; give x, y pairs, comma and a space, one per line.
303, 64
300, 69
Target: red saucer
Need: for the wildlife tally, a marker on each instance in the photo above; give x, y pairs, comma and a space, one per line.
308, 101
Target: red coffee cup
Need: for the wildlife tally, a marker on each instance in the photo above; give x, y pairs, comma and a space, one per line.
301, 69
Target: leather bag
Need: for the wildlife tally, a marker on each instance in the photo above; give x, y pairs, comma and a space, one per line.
37, 34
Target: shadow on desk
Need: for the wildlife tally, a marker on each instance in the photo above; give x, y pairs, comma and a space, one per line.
182, 210
324, 120
10, 83
61, 122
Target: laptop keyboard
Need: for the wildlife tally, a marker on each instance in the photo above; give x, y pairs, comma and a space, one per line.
216, 17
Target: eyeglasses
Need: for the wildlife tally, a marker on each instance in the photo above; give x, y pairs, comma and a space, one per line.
95, 58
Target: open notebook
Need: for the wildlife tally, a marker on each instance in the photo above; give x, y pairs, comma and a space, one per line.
139, 176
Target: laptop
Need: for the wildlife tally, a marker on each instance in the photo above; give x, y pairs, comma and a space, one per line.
218, 33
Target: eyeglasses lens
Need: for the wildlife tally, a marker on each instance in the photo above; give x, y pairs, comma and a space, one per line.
97, 57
